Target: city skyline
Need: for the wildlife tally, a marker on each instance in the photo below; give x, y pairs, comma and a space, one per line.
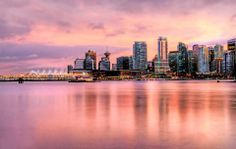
33, 35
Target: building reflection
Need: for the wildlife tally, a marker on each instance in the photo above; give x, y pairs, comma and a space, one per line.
166, 113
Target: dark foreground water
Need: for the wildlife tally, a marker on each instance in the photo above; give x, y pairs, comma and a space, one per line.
170, 114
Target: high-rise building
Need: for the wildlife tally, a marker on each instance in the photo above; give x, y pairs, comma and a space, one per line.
232, 47
162, 48
203, 60
192, 64
218, 56
212, 61
123, 63
131, 62
161, 65
182, 66
173, 61
140, 55
104, 64
195, 54
228, 63
79, 64
91, 55
89, 63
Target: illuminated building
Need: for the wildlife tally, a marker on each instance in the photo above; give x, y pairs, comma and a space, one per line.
232, 47
212, 61
104, 64
79, 63
88, 56
161, 65
218, 56
89, 63
182, 63
123, 63
229, 59
173, 61
140, 55
203, 60
192, 63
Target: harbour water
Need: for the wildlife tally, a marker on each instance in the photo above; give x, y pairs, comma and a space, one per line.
118, 114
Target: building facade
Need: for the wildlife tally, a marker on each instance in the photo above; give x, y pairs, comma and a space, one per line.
161, 65
104, 64
79, 64
229, 65
173, 61
140, 55
88, 56
123, 63
203, 60
232, 47
182, 66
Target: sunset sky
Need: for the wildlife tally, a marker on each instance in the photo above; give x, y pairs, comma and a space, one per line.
38, 34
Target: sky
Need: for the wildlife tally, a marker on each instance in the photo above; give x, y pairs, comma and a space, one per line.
41, 34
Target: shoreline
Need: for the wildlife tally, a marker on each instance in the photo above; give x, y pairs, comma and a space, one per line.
159, 79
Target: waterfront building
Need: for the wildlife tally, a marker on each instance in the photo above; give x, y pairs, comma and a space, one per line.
131, 62
161, 65
173, 61
203, 60
232, 47
228, 63
79, 64
91, 55
195, 54
69, 68
212, 61
192, 64
182, 63
150, 66
140, 55
104, 64
114, 67
218, 56
123, 63
89, 63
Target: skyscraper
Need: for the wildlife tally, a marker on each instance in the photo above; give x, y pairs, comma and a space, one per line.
232, 47
161, 65
229, 59
212, 61
192, 64
104, 64
140, 55
173, 61
91, 55
218, 56
203, 60
162, 48
89, 63
182, 68
123, 63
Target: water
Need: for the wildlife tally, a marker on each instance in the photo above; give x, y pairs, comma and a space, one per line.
126, 114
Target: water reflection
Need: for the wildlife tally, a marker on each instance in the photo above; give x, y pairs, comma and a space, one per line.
129, 114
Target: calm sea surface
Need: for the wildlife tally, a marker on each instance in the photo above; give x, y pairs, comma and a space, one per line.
126, 114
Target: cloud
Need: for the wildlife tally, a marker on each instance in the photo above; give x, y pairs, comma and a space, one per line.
35, 33
8, 30
96, 26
